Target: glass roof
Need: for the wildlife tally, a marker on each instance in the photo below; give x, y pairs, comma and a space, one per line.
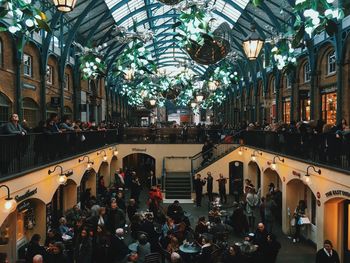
151, 14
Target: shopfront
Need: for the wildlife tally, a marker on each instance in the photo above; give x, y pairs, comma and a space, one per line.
304, 100
286, 110
329, 105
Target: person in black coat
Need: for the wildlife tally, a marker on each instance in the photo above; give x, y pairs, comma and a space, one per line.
260, 238
272, 249
205, 254
34, 248
56, 254
327, 254
115, 218
231, 255
83, 248
210, 187
118, 249
135, 188
198, 187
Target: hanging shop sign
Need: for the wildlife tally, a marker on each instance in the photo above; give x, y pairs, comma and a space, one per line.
27, 194
139, 150
337, 193
23, 206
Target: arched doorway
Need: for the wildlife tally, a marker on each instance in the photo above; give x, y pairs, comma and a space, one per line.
69, 195
30, 220
105, 172
89, 181
141, 163
270, 177
337, 225
5, 109
254, 174
297, 190
236, 179
114, 168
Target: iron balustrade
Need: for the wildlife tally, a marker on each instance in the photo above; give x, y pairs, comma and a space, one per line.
20, 153
331, 149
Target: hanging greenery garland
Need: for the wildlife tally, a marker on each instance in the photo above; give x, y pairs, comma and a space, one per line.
224, 75
135, 62
23, 19
283, 55
91, 61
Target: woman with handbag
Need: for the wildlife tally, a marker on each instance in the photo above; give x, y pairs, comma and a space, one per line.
298, 213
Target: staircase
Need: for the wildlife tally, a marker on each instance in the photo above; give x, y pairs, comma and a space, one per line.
220, 150
178, 185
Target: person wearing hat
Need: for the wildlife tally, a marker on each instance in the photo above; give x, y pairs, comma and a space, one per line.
118, 250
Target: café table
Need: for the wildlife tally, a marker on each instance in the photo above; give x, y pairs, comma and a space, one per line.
190, 249
133, 246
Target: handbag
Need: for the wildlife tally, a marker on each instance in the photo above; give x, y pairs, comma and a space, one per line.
304, 221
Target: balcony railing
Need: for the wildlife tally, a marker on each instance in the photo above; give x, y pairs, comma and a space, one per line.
329, 149
20, 153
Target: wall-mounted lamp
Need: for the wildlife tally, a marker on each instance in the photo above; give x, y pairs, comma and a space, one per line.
241, 149
89, 163
254, 156
62, 177
10, 203
307, 175
115, 151
274, 164
104, 156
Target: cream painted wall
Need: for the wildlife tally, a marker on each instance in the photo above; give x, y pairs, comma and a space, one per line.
159, 151
319, 184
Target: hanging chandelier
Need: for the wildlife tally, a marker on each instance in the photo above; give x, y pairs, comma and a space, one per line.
65, 5
213, 85
253, 44
212, 51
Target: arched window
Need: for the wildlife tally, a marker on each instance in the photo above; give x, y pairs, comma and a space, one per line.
68, 112
30, 112
4, 109
331, 62
307, 72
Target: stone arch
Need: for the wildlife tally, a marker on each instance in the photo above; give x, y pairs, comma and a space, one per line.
69, 194
6, 108
31, 112
141, 163
104, 171
336, 222
254, 174
270, 176
89, 180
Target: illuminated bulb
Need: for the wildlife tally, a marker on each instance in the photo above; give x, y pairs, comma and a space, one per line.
89, 165
62, 179
115, 153
199, 98
273, 166
105, 158
307, 179
10, 205
253, 158
240, 152
152, 102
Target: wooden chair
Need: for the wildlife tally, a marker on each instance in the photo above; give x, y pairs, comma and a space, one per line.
152, 258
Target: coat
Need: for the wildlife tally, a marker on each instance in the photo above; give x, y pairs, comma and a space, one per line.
83, 251
322, 257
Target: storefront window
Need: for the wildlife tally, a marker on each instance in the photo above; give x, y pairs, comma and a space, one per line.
305, 109
286, 111
329, 107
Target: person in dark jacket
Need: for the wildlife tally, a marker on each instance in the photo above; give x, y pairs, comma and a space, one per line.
231, 255
272, 249
210, 187
34, 248
83, 248
131, 209
222, 189
118, 250
327, 254
198, 187
56, 254
13, 126
135, 188
115, 218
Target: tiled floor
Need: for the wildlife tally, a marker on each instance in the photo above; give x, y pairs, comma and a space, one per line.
301, 252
